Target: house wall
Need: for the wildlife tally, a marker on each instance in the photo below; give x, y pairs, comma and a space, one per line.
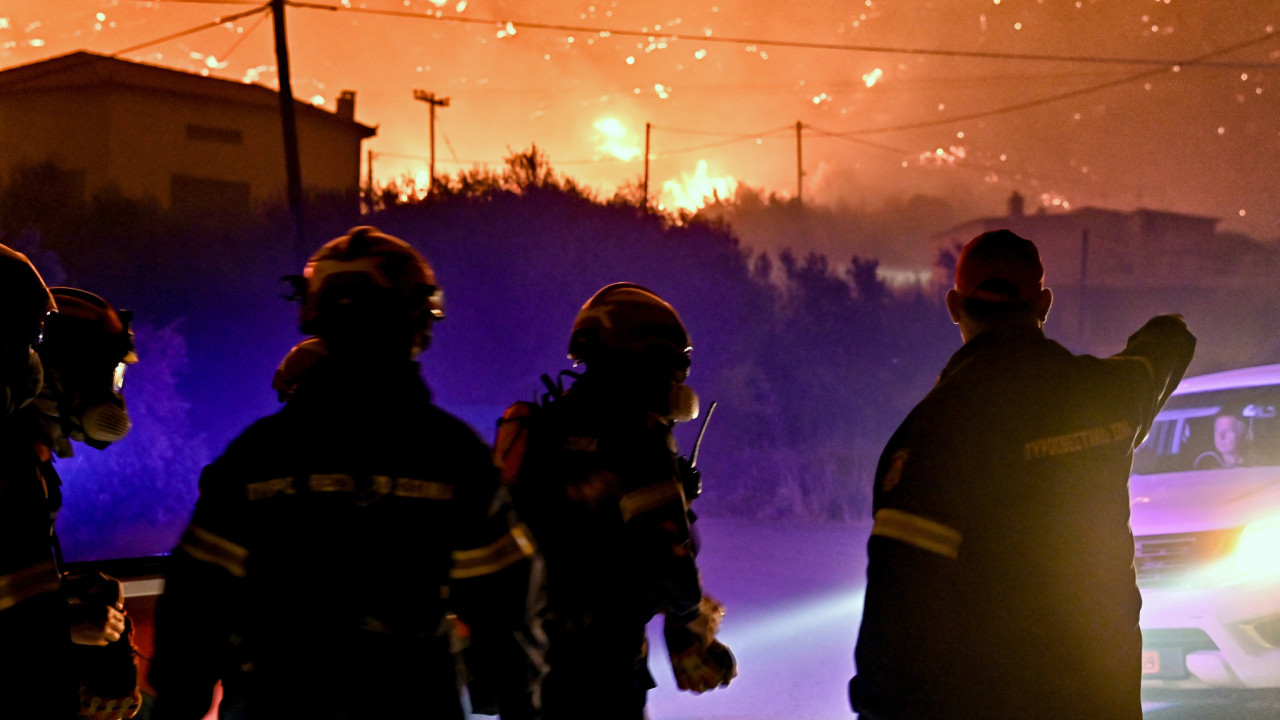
140, 138
36, 127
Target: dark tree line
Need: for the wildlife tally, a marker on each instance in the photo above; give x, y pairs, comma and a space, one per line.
813, 360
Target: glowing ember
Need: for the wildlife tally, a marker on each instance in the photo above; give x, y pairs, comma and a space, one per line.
612, 140
692, 191
613, 57
942, 156
1055, 200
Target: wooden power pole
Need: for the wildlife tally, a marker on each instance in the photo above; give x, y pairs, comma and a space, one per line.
433, 101
799, 167
289, 126
647, 128
368, 183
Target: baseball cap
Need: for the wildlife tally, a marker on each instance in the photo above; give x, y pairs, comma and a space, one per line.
999, 266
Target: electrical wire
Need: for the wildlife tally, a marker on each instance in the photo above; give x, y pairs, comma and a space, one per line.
202, 2
874, 49
705, 146
192, 31
713, 133
858, 141
243, 36
1052, 98
449, 145
1203, 60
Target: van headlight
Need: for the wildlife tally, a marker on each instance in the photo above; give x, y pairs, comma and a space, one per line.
1259, 546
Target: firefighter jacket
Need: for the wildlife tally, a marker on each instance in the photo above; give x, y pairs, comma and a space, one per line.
329, 544
1000, 580
597, 481
36, 680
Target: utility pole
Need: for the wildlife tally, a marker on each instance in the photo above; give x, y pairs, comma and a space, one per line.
289, 126
368, 183
647, 128
433, 101
799, 167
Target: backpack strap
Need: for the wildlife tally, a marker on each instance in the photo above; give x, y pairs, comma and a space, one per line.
512, 438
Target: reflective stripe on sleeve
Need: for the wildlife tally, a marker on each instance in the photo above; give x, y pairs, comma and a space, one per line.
207, 547
512, 547
28, 583
423, 489
331, 483
638, 502
917, 531
270, 488
378, 485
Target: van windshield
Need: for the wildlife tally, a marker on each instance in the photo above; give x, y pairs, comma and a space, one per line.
1223, 429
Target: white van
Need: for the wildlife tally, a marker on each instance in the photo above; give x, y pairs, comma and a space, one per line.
1205, 497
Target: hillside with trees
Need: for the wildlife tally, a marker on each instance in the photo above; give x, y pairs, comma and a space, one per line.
813, 360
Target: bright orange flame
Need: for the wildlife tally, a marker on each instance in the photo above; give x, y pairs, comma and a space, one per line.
612, 140
692, 191
416, 188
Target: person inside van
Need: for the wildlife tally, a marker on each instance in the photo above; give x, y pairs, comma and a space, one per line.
1230, 442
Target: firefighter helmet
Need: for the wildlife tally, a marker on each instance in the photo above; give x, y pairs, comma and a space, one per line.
367, 266
87, 346
87, 326
25, 299
627, 318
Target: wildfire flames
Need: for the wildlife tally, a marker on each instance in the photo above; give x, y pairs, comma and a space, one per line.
691, 192
612, 140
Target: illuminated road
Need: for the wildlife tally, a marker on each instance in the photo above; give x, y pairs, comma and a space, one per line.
793, 594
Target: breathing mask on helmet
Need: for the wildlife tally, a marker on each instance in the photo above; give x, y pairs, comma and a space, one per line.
85, 351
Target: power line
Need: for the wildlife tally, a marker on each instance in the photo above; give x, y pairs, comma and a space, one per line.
1053, 98
858, 141
876, 49
713, 133
728, 139
400, 156
206, 2
196, 29
243, 36
705, 146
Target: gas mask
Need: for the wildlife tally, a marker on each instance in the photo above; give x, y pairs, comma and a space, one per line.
83, 406
105, 419
682, 403
85, 352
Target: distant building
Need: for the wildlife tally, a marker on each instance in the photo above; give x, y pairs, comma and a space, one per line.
1113, 248
1110, 270
195, 144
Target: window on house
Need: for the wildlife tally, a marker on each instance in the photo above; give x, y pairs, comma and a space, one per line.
205, 133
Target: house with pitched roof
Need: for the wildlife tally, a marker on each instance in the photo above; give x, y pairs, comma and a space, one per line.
193, 143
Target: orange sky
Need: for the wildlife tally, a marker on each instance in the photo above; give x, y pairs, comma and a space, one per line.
884, 117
